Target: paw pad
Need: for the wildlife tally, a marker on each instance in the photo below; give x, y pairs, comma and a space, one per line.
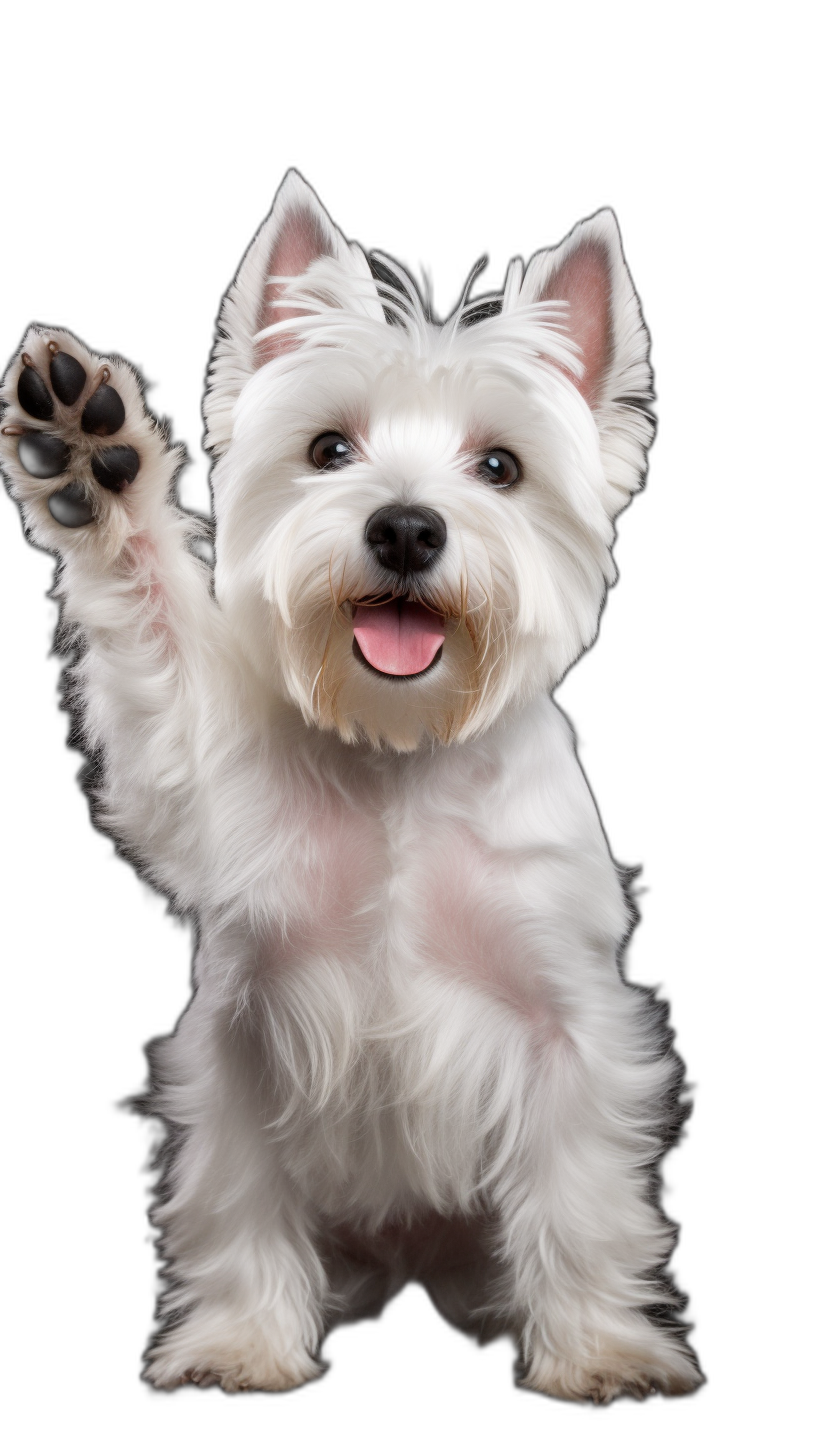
33, 394
70, 507
116, 466
44, 455
67, 375
104, 413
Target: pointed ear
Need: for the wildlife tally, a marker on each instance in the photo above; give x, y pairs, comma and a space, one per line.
297, 231
588, 273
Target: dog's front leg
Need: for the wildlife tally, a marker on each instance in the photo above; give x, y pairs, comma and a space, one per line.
582, 1237
246, 1297
93, 473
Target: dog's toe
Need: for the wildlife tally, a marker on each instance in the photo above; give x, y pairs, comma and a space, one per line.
67, 375
104, 414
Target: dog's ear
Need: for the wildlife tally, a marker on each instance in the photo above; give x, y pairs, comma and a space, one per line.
587, 272
297, 232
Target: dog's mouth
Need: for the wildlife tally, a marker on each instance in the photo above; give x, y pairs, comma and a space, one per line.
398, 638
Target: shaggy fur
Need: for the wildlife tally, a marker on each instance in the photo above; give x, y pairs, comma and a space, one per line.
410, 1052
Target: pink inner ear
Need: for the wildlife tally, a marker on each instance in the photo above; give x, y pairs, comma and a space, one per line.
583, 281
299, 241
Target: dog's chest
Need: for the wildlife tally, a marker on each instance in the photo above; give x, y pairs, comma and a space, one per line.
393, 881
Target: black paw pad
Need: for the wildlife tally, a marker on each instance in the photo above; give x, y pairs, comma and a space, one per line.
67, 377
33, 394
116, 466
70, 506
43, 455
104, 413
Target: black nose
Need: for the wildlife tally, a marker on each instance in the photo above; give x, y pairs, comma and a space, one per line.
406, 538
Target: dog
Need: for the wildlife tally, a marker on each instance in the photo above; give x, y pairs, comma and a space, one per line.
411, 1051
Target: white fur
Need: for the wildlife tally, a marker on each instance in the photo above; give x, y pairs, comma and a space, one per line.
408, 1000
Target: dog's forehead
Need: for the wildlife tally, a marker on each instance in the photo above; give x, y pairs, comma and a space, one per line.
418, 434
422, 398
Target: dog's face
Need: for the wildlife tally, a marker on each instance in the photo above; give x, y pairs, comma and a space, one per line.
414, 520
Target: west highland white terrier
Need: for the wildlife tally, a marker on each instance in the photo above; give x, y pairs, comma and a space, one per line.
411, 1052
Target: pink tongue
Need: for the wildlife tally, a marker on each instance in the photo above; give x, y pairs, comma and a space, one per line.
398, 637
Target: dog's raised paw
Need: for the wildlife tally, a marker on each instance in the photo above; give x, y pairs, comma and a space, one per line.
94, 409
76, 436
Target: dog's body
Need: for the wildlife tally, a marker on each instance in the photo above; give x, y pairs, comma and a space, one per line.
410, 1051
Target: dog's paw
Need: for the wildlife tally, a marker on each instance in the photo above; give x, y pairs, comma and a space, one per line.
85, 458
247, 1357
634, 1369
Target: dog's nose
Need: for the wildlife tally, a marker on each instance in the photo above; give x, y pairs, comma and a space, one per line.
406, 538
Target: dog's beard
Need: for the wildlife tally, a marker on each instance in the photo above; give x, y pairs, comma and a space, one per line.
338, 687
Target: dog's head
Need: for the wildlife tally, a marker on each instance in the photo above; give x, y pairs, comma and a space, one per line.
414, 519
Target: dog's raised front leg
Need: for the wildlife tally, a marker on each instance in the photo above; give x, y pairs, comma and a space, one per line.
93, 473
158, 684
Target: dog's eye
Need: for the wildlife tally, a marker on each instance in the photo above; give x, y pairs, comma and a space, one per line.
499, 468
330, 450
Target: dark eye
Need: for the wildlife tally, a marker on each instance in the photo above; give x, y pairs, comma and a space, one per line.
330, 450
499, 468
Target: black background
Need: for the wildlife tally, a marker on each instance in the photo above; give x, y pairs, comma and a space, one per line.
136, 264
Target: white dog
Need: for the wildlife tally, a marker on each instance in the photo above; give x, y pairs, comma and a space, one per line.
411, 1051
